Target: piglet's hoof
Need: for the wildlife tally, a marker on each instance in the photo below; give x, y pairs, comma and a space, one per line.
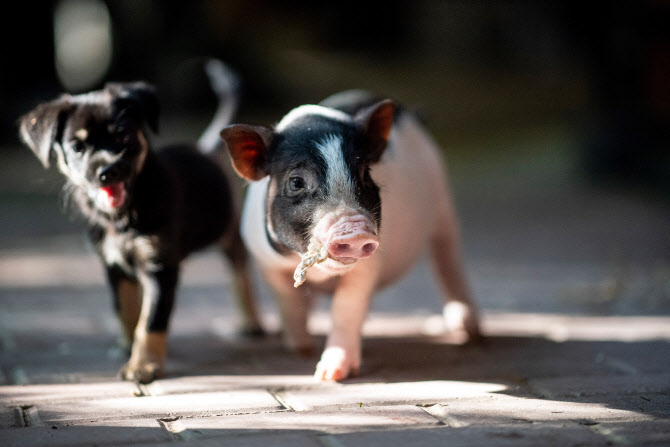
336, 364
142, 373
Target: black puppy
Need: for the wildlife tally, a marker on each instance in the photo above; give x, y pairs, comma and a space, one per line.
147, 210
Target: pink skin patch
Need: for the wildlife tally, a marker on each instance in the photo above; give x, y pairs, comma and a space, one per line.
348, 237
115, 194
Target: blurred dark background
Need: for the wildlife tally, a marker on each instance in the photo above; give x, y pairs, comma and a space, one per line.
476, 70
554, 117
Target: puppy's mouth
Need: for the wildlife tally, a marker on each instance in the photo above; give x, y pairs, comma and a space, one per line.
114, 196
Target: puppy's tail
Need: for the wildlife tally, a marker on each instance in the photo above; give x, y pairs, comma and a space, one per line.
226, 86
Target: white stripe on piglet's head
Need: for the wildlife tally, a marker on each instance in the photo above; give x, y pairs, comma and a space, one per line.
338, 180
311, 109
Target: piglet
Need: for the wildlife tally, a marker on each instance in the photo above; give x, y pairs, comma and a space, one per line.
363, 179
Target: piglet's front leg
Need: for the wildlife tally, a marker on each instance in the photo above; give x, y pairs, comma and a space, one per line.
294, 306
147, 358
342, 356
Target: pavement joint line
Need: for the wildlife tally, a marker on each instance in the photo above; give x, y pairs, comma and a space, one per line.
447, 419
162, 416
279, 397
18, 416
31, 417
173, 427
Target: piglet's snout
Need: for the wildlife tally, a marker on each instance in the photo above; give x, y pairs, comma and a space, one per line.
348, 239
358, 246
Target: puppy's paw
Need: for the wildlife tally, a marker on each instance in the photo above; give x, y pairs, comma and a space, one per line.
147, 358
251, 332
143, 372
337, 363
461, 322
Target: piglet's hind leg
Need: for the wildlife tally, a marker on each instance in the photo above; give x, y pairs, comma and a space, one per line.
460, 312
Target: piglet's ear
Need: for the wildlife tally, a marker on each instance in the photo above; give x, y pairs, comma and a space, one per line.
376, 121
43, 126
248, 146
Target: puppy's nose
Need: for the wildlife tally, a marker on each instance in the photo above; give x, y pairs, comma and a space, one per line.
109, 174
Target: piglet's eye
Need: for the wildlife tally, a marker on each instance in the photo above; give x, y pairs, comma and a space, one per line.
297, 183
300, 181
78, 146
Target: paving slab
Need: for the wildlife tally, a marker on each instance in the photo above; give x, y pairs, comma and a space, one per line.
332, 420
200, 384
248, 439
338, 395
10, 417
585, 386
651, 405
531, 435
500, 409
647, 433
38, 394
159, 406
86, 434
513, 358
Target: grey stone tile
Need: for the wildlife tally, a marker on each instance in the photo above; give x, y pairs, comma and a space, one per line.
584, 386
512, 358
159, 407
9, 417
425, 392
652, 405
250, 438
333, 420
501, 409
647, 433
99, 433
33, 394
211, 383
531, 435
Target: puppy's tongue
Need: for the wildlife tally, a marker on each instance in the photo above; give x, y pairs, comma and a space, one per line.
115, 194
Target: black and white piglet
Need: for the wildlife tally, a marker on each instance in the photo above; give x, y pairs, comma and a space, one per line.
363, 179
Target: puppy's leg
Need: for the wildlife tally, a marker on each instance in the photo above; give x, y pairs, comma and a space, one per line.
460, 312
244, 295
147, 357
294, 306
126, 295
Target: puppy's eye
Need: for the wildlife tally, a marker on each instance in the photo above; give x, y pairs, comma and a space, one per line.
123, 137
296, 183
78, 146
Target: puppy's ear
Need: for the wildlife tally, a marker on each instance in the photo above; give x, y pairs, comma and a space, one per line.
43, 126
140, 95
376, 122
248, 147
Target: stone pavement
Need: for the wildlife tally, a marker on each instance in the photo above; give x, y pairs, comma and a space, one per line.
575, 289
538, 378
